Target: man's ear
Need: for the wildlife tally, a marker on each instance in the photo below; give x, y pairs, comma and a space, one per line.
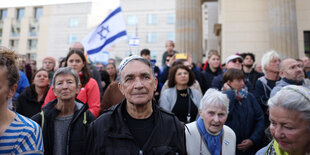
281, 73
120, 87
12, 91
156, 83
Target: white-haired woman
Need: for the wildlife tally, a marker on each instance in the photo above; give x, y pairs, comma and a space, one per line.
208, 135
289, 114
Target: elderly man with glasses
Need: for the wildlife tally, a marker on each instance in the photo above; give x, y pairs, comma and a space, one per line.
291, 73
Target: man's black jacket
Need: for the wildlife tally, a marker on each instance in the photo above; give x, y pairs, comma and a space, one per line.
109, 134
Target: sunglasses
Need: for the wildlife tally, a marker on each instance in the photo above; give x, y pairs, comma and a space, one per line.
237, 60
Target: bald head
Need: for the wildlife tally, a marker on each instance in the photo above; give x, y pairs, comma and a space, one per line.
77, 45
291, 69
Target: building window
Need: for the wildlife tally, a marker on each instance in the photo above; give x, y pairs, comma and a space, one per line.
307, 42
154, 56
151, 37
32, 44
20, 13
0, 42
1, 31
72, 38
152, 19
171, 18
3, 14
74, 22
132, 20
38, 13
32, 56
14, 44
15, 31
33, 28
171, 36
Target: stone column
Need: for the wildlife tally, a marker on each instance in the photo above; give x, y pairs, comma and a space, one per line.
283, 27
188, 36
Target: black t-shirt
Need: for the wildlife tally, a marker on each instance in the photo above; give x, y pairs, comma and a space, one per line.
140, 129
271, 83
181, 107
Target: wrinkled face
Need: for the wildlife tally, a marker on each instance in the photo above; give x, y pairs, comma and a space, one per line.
248, 61
214, 117
289, 129
111, 69
75, 62
48, 65
214, 61
169, 46
65, 87
236, 84
41, 79
137, 83
181, 77
292, 70
273, 65
5, 91
235, 63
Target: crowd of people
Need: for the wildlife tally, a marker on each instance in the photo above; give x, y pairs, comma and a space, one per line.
181, 107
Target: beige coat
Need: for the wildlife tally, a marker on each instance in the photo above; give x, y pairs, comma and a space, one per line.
196, 144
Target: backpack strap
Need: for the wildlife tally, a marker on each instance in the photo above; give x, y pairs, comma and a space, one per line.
42, 119
85, 119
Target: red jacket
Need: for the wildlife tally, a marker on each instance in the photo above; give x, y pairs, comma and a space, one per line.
89, 94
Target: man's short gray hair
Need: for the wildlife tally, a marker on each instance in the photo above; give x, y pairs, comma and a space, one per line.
66, 70
292, 97
267, 57
132, 58
214, 97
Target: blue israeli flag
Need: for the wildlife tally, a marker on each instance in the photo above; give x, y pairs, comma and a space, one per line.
109, 32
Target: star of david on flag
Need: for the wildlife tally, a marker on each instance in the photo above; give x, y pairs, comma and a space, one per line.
106, 34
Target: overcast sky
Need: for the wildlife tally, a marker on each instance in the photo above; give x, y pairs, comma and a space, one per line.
111, 4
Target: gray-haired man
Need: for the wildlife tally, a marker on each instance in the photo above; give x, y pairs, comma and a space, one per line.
137, 125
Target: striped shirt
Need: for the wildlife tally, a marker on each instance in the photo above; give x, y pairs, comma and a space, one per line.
23, 136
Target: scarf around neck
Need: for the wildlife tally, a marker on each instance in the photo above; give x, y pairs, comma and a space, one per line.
213, 141
274, 149
241, 94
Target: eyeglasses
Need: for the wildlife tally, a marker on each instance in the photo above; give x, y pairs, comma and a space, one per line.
237, 60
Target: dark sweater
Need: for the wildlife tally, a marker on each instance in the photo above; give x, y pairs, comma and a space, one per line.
207, 77
27, 104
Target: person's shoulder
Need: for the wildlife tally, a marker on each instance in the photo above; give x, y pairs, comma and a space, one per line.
26, 123
262, 151
165, 112
91, 80
191, 126
228, 130
168, 91
107, 114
